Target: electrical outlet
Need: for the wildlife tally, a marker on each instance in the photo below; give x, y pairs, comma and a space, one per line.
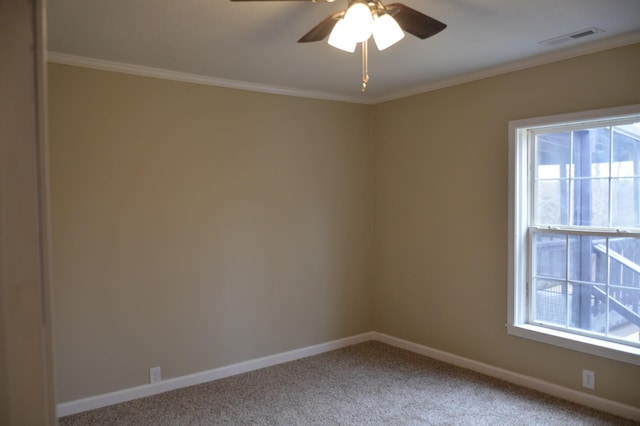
588, 379
155, 375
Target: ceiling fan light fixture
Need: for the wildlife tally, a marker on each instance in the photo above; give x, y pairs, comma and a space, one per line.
341, 38
386, 31
359, 21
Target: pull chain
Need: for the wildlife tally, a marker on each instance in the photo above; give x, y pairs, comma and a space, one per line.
365, 65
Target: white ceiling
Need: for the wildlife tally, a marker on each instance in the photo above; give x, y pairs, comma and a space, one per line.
253, 44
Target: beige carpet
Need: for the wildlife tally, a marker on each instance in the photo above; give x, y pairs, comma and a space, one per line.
366, 384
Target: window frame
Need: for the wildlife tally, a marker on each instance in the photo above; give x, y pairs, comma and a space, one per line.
520, 211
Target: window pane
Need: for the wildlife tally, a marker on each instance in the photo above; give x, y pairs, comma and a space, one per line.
551, 204
624, 262
626, 146
587, 259
624, 323
590, 154
551, 302
625, 211
550, 255
552, 149
588, 307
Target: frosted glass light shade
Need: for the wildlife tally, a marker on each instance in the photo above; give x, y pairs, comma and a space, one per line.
359, 21
386, 31
341, 38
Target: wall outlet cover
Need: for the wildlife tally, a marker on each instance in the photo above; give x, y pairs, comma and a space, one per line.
155, 375
588, 379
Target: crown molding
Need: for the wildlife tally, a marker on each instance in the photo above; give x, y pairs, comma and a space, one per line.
547, 58
144, 71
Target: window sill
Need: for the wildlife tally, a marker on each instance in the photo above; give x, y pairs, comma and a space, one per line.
576, 342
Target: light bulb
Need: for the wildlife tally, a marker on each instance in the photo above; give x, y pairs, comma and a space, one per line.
386, 31
359, 21
341, 38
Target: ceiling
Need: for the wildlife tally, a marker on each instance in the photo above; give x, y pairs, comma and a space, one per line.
253, 45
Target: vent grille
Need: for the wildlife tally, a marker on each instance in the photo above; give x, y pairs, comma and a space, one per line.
578, 35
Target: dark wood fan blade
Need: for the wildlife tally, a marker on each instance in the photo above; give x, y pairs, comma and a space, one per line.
323, 29
414, 22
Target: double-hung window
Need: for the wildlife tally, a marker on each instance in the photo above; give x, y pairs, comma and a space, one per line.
575, 231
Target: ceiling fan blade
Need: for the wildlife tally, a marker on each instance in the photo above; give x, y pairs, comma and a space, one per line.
414, 22
323, 29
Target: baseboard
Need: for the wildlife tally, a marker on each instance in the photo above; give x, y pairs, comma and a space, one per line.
99, 401
602, 404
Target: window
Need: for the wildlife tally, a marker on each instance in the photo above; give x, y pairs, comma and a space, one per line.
574, 227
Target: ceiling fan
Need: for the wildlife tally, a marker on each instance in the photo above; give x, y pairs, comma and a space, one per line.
365, 18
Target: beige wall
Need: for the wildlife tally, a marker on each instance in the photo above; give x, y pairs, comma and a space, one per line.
195, 227
440, 214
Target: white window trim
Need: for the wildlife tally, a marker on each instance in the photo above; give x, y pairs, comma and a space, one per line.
518, 211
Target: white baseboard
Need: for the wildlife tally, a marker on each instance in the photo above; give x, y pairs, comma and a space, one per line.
117, 397
602, 404
98, 401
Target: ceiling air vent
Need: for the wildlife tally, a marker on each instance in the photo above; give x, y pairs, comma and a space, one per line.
578, 35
